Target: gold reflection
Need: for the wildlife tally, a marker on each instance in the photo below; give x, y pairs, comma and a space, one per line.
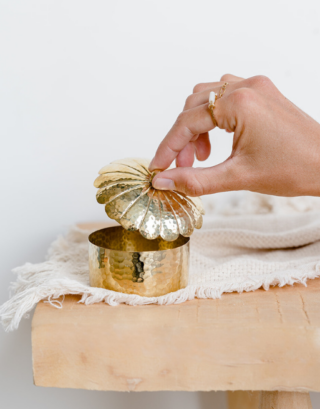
125, 188
124, 261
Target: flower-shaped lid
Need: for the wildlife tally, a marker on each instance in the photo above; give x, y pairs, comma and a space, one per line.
125, 187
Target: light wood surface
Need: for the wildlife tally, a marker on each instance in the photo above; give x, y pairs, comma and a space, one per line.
262, 340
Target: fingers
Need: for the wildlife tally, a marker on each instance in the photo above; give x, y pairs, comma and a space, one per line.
225, 78
207, 85
229, 113
186, 157
199, 98
197, 120
230, 77
203, 147
202, 97
200, 148
193, 122
201, 181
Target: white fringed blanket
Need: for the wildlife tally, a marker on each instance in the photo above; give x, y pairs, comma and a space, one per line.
263, 241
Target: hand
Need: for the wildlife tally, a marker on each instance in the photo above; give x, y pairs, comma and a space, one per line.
276, 146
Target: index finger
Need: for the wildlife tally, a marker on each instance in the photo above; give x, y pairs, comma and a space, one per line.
195, 121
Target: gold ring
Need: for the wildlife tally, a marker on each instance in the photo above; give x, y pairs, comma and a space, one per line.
212, 101
223, 89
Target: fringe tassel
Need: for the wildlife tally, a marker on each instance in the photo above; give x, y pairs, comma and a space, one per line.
66, 272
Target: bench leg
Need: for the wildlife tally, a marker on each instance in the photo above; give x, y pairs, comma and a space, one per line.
285, 400
243, 400
268, 400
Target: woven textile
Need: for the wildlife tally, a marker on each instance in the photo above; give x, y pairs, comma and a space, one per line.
262, 241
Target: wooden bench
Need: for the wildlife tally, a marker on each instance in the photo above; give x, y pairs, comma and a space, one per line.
267, 342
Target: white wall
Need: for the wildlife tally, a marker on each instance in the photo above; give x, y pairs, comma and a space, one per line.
86, 82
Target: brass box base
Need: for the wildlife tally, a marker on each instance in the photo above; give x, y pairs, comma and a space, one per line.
124, 261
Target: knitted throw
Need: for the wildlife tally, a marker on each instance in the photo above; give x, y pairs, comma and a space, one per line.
262, 241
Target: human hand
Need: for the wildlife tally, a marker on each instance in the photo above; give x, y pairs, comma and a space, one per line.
276, 146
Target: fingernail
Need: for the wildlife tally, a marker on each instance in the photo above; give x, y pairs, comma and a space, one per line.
163, 184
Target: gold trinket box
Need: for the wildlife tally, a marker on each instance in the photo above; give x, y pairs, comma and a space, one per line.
124, 261
149, 254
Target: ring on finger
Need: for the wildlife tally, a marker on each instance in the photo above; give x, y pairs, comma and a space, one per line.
213, 97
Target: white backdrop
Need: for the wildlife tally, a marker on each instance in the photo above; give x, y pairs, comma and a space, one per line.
83, 83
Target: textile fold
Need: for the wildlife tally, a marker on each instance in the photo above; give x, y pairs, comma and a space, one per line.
239, 252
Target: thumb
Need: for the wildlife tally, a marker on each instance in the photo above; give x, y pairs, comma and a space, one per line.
201, 181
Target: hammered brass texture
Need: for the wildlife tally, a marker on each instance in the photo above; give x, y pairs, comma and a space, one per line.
125, 188
124, 261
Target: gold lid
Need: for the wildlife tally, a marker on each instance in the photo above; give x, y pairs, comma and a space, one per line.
125, 187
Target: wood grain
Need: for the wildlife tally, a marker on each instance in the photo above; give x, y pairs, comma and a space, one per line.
262, 340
